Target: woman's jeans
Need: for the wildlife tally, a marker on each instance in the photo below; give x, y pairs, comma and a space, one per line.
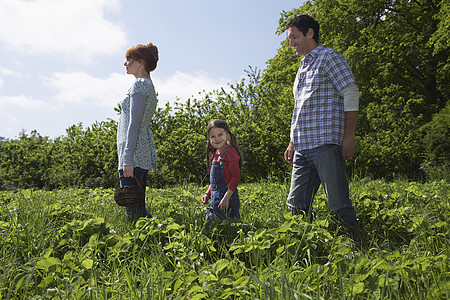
325, 165
136, 211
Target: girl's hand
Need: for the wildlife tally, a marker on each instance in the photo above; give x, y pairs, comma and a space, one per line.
224, 203
128, 171
205, 199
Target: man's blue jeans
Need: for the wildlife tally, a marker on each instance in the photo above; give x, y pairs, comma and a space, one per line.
312, 167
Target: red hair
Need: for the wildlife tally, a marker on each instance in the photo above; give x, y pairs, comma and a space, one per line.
148, 53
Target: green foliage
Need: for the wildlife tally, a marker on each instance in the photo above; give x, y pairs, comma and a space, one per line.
437, 144
23, 161
180, 132
398, 52
77, 244
85, 157
180, 139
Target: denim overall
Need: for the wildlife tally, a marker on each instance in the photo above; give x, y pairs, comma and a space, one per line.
218, 190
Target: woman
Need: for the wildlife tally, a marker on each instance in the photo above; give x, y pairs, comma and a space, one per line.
135, 144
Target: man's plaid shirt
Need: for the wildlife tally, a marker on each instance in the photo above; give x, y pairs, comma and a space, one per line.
318, 117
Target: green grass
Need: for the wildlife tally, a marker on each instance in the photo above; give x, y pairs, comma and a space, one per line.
77, 244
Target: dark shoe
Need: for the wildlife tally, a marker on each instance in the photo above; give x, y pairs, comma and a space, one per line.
353, 232
297, 211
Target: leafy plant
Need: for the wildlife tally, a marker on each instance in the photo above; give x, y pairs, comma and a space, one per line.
76, 243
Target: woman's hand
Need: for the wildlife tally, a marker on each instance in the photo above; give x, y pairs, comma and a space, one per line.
128, 171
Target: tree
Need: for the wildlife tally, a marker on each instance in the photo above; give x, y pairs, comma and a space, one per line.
23, 162
437, 144
398, 52
179, 140
86, 157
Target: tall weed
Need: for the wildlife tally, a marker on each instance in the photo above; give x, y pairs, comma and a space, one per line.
77, 244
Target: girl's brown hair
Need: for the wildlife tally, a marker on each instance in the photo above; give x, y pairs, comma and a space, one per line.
210, 150
148, 53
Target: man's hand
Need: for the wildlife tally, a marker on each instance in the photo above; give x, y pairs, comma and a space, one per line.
348, 147
289, 153
349, 142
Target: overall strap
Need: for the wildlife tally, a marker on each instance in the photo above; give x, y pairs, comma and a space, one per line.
223, 153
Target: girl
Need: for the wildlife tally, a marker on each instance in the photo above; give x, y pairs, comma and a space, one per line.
224, 160
135, 144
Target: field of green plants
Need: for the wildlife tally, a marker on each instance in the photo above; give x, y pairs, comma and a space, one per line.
77, 244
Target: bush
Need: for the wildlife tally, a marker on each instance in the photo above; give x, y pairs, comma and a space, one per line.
437, 146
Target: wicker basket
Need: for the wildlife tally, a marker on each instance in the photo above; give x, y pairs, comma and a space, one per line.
129, 195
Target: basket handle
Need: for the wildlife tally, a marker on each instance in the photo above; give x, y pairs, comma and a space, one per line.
134, 177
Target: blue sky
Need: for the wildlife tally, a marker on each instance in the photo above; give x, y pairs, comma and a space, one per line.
62, 60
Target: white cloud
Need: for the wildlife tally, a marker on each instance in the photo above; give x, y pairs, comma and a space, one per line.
6, 72
81, 97
8, 118
183, 86
24, 113
82, 88
22, 102
75, 28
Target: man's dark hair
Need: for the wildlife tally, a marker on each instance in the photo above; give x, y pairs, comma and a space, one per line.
303, 23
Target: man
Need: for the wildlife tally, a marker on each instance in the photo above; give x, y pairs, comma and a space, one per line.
323, 125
